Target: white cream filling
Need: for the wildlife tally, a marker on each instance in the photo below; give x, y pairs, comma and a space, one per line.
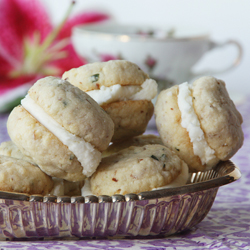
86, 189
58, 188
86, 154
104, 95
190, 122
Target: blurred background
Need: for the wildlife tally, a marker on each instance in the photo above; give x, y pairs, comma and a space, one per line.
223, 19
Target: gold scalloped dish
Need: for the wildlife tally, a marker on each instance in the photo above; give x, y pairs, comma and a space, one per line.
158, 212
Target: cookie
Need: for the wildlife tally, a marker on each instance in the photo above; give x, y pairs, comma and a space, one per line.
61, 128
122, 89
130, 117
200, 122
8, 148
137, 169
60, 186
139, 140
94, 75
23, 177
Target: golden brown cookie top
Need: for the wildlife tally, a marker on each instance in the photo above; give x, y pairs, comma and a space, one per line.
94, 75
140, 140
136, 169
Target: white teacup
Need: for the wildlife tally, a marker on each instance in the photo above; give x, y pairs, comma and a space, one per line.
167, 55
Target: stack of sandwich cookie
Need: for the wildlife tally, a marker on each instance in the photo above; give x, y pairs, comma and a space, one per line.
61, 128
122, 89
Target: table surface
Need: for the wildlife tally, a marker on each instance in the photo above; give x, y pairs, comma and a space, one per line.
227, 225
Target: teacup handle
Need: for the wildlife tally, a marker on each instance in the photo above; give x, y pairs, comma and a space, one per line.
235, 63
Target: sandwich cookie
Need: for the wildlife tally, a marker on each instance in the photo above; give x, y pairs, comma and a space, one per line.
200, 122
122, 89
61, 128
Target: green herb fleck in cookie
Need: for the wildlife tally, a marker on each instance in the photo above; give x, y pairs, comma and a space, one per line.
94, 78
71, 157
65, 103
154, 157
163, 157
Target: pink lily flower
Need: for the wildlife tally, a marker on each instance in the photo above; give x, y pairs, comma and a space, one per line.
31, 48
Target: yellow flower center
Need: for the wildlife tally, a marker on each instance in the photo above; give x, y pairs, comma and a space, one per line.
38, 54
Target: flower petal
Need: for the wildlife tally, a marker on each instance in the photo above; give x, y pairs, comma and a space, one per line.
71, 61
84, 18
13, 90
19, 19
7, 84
